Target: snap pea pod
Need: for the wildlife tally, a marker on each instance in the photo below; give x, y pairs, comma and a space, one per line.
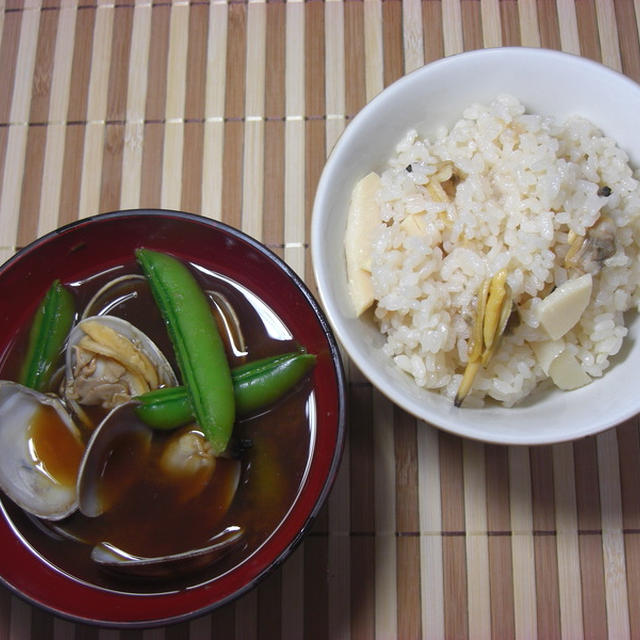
49, 330
255, 385
197, 344
165, 408
259, 384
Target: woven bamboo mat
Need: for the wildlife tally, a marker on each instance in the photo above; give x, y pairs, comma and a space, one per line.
228, 109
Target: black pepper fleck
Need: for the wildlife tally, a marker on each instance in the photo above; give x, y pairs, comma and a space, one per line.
408, 168
604, 191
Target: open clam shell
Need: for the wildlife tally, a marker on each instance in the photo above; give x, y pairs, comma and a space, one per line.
109, 361
114, 293
111, 557
40, 449
102, 477
228, 323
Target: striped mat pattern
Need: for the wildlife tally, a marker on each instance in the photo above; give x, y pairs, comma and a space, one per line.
228, 109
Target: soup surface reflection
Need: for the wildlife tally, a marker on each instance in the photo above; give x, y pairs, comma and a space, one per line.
151, 513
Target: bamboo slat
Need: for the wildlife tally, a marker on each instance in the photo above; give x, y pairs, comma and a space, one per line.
58, 107
607, 30
212, 161
18, 130
477, 548
612, 537
171, 194
491, 28
253, 170
412, 35
135, 108
373, 47
522, 544
295, 111
570, 603
96, 115
334, 71
452, 26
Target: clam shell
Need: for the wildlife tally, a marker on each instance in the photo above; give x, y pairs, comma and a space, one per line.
115, 293
229, 323
24, 474
121, 430
101, 382
111, 557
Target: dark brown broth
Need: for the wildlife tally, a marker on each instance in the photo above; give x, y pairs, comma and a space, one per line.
154, 518
53, 448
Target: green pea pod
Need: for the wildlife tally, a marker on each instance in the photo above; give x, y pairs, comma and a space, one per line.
255, 385
250, 369
197, 344
261, 385
49, 330
165, 408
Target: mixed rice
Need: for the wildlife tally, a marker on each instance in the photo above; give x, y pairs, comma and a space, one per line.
520, 202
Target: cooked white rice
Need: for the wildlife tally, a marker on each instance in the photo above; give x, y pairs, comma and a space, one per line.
525, 183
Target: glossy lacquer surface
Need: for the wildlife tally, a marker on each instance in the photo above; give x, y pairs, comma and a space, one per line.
94, 245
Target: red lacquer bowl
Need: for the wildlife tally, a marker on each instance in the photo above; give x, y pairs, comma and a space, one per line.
94, 244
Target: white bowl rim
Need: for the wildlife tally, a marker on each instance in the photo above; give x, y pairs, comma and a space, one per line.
447, 423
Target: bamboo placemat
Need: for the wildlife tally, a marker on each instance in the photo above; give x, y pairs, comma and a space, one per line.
228, 109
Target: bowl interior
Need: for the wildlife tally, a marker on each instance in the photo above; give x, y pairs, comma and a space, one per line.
546, 82
96, 244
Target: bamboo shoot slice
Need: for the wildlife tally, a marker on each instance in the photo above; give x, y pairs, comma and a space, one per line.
561, 309
364, 214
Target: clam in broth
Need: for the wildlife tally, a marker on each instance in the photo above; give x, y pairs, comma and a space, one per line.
168, 501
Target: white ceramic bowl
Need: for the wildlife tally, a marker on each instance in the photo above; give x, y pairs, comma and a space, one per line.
546, 82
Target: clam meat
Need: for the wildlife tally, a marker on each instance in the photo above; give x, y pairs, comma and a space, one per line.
125, 469
188, 460
493, 310
109, 361
588, 253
